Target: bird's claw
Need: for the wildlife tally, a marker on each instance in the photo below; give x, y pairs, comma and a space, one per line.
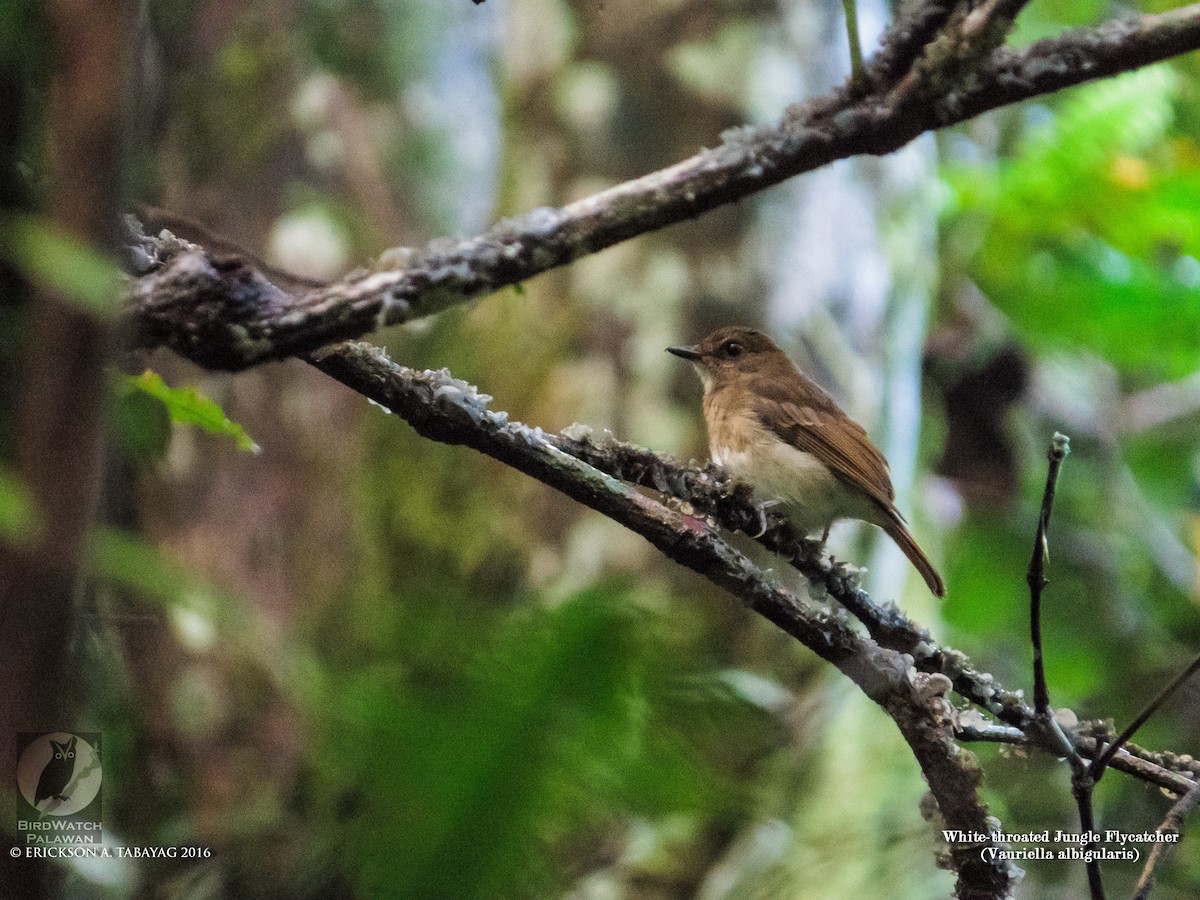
761, 509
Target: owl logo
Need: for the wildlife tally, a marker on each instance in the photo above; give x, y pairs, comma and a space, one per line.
59, 773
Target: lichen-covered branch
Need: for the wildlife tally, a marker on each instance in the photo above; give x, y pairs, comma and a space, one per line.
939, 65
710, 492
445, 409
898, 666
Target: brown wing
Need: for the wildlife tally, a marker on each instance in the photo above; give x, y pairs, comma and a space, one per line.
813, 423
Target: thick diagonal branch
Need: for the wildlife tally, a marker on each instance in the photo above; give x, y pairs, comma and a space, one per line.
709, 493
222, 313
445, 409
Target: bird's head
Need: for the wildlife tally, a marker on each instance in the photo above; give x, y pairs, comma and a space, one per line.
733, 351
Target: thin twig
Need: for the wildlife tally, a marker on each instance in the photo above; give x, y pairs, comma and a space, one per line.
1096, 770
1168, 829
1137, 767
1082, 786
1060, 446
857, 70
1082, 781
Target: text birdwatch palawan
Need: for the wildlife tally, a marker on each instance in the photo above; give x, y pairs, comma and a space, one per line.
772, 426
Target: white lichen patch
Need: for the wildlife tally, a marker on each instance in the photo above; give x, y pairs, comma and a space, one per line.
577, 431
396, 258
449, 391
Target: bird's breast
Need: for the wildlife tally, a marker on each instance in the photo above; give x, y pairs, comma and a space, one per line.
811, 494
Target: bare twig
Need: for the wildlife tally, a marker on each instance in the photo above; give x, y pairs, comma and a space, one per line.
1135, 765
1096, 770
1083, 787
1169, 830
1060, 446
1082, 781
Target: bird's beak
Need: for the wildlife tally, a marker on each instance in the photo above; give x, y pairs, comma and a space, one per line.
686, 352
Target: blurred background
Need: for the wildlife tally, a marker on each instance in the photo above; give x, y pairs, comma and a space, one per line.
357, 663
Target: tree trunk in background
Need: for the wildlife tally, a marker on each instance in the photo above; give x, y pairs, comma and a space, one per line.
59, 409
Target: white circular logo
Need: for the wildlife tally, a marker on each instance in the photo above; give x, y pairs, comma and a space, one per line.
59, 773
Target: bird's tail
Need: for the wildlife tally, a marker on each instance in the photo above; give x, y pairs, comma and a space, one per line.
905, 541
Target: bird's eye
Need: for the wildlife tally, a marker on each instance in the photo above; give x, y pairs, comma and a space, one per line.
732, 349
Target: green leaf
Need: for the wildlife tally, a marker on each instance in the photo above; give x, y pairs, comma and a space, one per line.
187, 406
57, 261
140, 426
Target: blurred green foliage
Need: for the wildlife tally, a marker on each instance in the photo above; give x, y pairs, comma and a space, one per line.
562, 719
373, 45
56, 261
1084, 236
16, 512
1089, 237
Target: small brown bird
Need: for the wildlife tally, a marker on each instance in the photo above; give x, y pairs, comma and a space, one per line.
772, 426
